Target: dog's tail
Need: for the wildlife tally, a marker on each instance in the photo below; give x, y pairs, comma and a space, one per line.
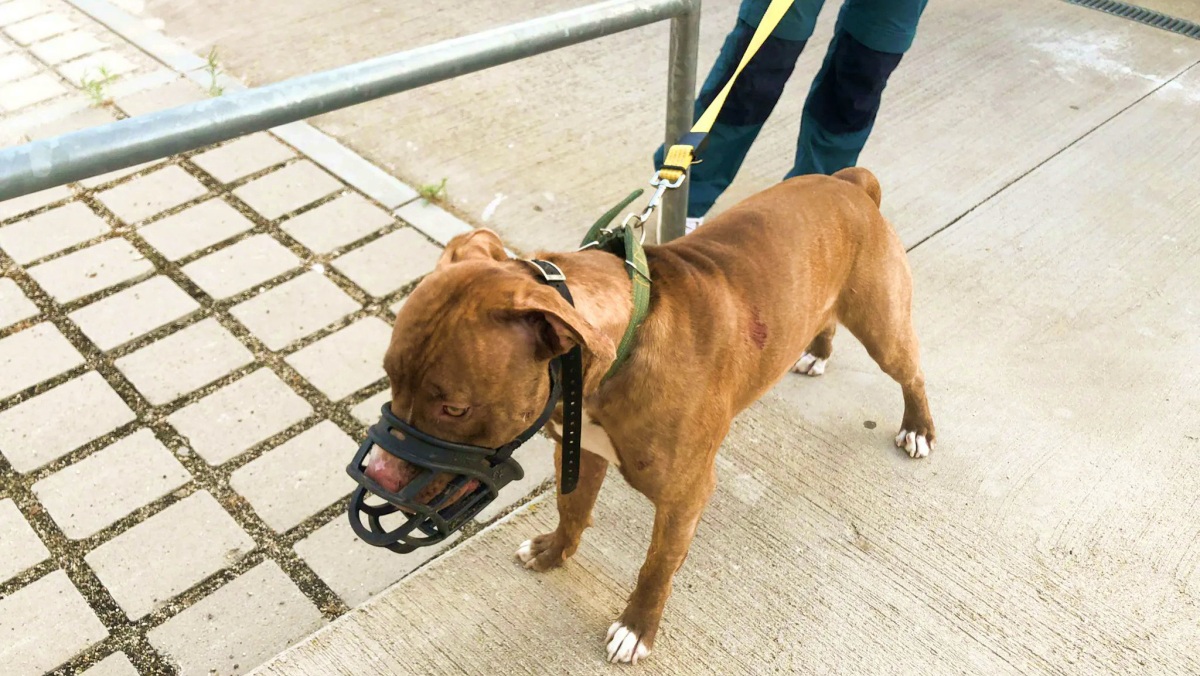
863, 179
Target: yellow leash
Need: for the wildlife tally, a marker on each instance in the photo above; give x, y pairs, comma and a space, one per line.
683, 154
621, 240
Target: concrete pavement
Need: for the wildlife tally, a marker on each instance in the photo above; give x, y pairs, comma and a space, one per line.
537, 148
1053, 530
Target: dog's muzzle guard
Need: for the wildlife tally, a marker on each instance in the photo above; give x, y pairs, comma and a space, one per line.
434, 521
492, 468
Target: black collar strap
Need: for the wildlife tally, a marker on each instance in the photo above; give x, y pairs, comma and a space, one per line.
572, 385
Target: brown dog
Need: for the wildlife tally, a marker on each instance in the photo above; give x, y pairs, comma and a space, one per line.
756, 291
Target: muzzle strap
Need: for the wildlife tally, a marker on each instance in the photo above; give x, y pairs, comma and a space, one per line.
572, 386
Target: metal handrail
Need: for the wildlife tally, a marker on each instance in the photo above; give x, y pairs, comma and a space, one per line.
90, 152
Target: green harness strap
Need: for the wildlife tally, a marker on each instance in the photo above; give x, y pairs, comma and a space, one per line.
622, 242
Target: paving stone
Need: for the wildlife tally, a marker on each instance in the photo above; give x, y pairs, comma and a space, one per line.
89, 270
435, 222
298, 478
283, 191
389, 262
155, 76
337, 223
16, 66
50, 232
34, 355
5, 45
151, 194
133, 312
20, 205
16, 95
238, 267
176, 93
195, 228
367, 411
109, 177
394, 308
184, 361
347, 361
46, 427
347, 165
88, 117
537, 459
45, 624
243, 157
20, 547
19, 10
355, 570
94, 67
67, 46
14, 306
227, 422
149, 564
110, 484
239, 626
116, 664
39, 28
294, 309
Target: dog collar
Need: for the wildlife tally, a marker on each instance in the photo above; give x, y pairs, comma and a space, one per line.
621, 241
490, 468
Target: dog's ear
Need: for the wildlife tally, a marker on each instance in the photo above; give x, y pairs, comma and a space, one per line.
556, 327
481, 244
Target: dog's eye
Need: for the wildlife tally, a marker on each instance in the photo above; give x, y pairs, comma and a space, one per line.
454, 411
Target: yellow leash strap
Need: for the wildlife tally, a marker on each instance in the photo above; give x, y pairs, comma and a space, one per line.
682, 155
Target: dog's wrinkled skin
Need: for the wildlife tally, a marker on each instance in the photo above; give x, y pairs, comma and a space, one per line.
753, 293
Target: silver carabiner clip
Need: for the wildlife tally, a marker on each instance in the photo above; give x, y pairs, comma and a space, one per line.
661, 186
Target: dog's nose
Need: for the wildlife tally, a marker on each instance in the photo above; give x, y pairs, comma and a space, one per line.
385, 470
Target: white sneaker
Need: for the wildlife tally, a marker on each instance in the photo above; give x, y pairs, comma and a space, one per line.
691, 224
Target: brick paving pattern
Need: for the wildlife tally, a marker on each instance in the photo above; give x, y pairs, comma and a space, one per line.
190, 351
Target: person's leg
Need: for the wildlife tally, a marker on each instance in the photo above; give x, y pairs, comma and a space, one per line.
752, 98
870, 38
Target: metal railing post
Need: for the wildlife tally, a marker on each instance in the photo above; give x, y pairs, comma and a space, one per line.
681, 93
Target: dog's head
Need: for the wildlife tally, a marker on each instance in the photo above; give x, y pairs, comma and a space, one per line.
470, 352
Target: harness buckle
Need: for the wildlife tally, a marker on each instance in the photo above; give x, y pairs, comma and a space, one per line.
549, 271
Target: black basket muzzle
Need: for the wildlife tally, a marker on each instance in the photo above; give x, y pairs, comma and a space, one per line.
432, 522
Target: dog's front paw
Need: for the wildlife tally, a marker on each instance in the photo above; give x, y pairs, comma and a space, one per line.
810, 365
625, 645
541, 553
914, 442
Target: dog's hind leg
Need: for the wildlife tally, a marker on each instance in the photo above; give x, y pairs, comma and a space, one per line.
877, 309
816, 356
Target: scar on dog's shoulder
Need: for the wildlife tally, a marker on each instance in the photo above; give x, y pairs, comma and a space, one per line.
758, 330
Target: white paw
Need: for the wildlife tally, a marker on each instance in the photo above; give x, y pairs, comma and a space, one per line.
915, 444
525, 553
624, 645
810, 365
